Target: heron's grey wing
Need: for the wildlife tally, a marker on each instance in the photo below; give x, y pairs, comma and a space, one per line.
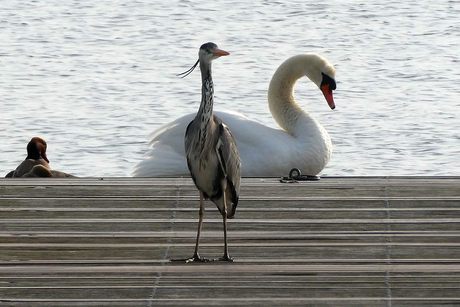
189, 137
229, 156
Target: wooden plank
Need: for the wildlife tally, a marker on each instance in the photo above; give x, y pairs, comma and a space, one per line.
342, 241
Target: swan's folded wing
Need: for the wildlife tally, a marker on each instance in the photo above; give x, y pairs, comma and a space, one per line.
172, 133
263, 150
162, 161
254, 140
167, 155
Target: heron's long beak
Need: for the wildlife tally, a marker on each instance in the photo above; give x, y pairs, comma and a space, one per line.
220, 52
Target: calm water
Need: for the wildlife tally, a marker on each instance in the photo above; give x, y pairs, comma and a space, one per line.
95, 78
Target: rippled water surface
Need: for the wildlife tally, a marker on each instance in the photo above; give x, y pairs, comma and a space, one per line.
95, 78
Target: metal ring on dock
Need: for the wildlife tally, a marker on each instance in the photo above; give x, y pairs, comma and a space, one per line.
295, 174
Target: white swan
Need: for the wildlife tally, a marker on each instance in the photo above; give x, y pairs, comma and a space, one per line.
303, 143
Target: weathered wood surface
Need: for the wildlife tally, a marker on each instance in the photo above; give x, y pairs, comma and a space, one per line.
333, 242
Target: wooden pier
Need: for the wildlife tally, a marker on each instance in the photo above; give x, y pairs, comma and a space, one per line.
365, 241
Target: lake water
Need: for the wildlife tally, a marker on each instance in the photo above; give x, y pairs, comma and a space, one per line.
95, 78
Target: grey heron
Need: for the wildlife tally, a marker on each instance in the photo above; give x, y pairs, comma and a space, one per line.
212, 155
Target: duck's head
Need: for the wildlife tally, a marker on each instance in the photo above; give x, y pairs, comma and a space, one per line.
36, 149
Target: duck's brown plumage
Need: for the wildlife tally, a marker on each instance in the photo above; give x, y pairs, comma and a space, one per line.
36, 155
36, 163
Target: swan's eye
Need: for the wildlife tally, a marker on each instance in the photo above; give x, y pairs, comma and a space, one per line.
328, 80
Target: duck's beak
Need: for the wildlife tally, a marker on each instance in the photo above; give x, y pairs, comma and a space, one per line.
45, 157
327, 92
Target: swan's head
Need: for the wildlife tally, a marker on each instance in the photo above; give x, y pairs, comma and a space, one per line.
322, 73
208, 52
327, 86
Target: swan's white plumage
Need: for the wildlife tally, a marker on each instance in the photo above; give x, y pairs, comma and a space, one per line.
264, 151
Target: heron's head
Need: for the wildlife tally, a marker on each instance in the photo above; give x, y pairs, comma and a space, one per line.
208, 52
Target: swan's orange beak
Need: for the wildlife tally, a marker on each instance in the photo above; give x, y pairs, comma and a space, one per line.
327, 92
220, 52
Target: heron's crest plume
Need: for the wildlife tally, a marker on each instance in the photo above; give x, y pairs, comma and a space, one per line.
188, 72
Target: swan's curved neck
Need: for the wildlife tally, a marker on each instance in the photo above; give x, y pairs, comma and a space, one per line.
286, 112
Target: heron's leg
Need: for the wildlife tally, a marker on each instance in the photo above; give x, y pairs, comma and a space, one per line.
196, 255
225, 257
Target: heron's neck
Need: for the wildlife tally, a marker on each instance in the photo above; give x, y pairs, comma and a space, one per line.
207, 98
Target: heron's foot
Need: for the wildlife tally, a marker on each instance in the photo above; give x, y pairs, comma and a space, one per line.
195, 258
226, 258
